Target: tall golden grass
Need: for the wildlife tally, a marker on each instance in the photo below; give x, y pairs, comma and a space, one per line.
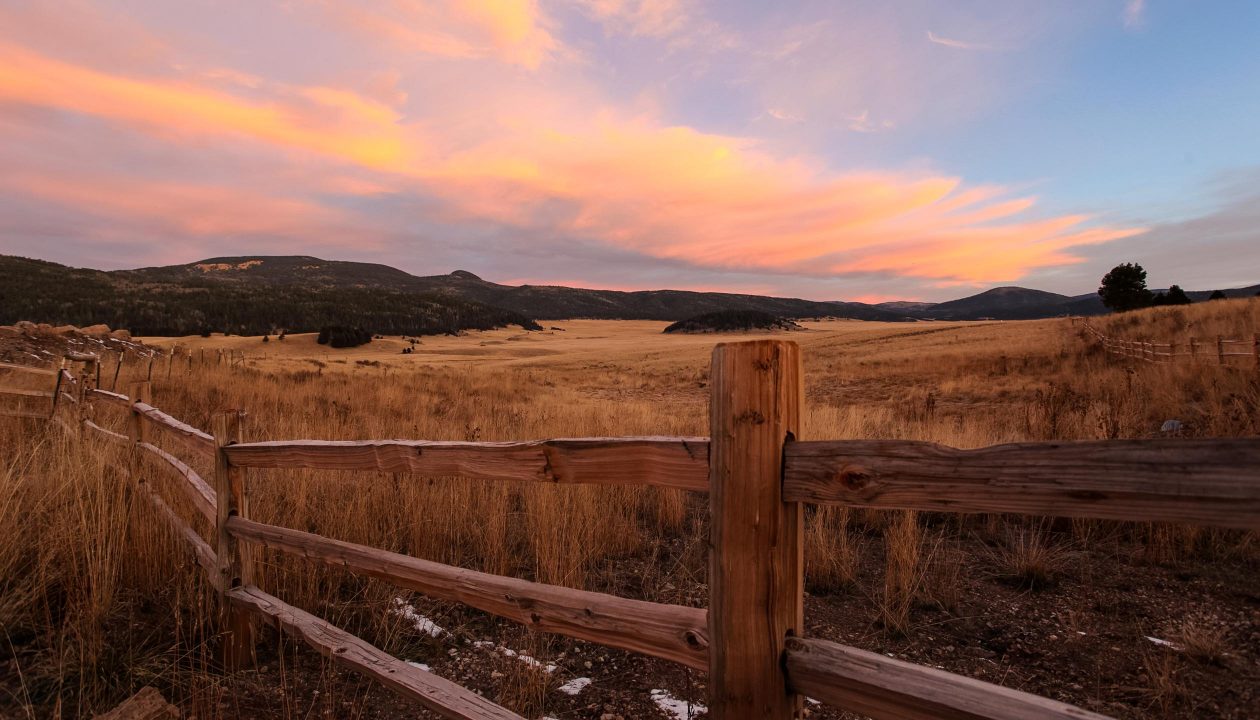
96, 600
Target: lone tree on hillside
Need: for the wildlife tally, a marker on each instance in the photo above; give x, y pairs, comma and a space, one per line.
1177, 296
1124, 288
1217, 295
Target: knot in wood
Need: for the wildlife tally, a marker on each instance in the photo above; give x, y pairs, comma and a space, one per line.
853, 477
750, 416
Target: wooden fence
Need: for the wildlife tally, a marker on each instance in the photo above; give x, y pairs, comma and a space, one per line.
758, 476
1216, 351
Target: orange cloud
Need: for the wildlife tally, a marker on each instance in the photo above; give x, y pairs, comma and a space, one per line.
721, 202
185, 210
330, 122
513, 31
669, 192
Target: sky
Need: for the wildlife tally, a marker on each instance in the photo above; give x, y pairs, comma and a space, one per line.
832, 149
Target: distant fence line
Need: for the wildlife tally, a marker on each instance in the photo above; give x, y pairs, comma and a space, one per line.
1193, 350
757, 476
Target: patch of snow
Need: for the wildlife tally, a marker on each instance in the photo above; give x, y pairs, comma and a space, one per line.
1164, 643
420, 665
509, 652
671, 705
574, 686
421, 623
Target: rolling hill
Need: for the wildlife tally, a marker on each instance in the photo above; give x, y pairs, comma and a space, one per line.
153, 304
544, 302
256, 294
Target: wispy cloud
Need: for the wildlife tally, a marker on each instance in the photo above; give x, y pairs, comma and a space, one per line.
514, 31
956, 44
783, 115
649, 18
862, 123
1134, 13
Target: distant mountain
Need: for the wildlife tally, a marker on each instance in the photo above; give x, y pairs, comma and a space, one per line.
172, 301
544, 302
1017, 303
1002, 303
906, 306
257, 293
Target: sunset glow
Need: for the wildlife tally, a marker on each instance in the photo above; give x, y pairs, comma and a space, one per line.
610, 143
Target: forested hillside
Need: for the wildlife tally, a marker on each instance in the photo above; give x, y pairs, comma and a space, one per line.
47, 292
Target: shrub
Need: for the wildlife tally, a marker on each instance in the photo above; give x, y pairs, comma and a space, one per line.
339, 336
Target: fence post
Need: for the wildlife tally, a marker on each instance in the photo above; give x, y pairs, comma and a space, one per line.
756, 565
137, 428
1220, 350
1194, 351
1172, 352
1255, 350
236, 566
56, 398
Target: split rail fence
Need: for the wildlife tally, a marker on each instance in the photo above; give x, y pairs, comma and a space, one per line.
758, 476
1217, 350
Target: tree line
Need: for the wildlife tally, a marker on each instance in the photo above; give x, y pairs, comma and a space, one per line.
1124, 288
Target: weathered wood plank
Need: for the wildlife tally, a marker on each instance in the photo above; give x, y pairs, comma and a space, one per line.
24, 414
671, 632
681, 463
199, 548
26, 393
880, 687
433, 692
113, 398
192, 438
197, 489
107, 434
27, 368
756, 562
1202, 481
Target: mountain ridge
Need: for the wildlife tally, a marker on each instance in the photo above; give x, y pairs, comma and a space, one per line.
260, 292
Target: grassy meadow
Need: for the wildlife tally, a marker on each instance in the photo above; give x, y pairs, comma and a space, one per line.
97, 600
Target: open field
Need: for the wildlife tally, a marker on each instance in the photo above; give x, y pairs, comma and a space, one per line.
1067, 609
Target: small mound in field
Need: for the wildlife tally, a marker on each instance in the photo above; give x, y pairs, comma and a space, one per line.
732, 321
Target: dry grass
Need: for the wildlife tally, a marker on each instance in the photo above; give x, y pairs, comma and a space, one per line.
95, 600
1030, 558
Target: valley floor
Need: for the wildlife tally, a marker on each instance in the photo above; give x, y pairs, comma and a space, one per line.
1128, 620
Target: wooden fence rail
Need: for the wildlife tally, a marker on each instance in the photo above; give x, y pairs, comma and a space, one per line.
758, 476
681, 463
1171, 352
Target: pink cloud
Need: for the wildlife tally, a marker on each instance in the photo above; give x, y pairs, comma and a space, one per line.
543, 151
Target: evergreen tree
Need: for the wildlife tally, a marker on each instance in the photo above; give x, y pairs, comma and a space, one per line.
1124, 288
1177, 296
